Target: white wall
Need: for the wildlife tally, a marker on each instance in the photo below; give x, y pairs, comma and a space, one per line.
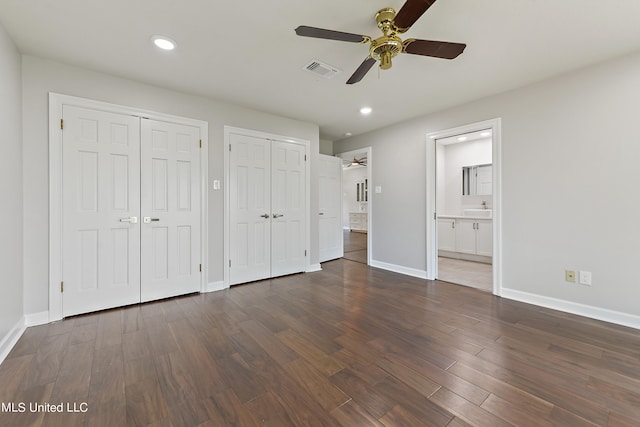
11, 256
455, 157
326, 147
41, 76
570, 155
350, 177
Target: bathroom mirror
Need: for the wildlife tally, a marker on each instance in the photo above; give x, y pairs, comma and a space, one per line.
477, 180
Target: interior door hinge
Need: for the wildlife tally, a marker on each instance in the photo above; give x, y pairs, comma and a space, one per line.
61, 123
305, 252
305, 157
200, 268
229, 263
200, 143
229, 147
61, 286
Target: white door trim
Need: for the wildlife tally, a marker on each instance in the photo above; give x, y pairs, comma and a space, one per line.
228, 130
347, 155
431, 221
56, 101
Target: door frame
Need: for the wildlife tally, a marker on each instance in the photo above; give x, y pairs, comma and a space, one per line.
431, 220
56, 102
228, 130
369, 151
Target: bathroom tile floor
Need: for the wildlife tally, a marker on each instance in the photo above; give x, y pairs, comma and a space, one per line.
468, 273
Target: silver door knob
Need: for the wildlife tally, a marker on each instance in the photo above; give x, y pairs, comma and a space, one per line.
278, 215
149, 220
266, 216
130, 220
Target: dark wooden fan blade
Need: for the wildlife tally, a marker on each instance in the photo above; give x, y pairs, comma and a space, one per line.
410, 12
445, 50
362, 70
321, 33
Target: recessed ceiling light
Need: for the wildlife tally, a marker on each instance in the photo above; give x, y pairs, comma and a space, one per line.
462, 138
164, 42
485, 134
366, 111
348, 134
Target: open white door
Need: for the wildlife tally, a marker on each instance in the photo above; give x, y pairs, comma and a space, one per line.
101, 210
170, 207
330, 207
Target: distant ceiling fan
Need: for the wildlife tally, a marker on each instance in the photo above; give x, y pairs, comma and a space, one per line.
389, 44
362, 161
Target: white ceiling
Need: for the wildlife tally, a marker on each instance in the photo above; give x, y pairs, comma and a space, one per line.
246, 52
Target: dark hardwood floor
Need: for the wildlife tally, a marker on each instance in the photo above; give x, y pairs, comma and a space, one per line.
355, 246
347, 346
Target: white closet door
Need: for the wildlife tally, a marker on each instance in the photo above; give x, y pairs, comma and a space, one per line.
287, 208
330, 207
101, 203
249, 209
170, 207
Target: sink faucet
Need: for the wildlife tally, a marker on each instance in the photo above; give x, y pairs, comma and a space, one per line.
484, 204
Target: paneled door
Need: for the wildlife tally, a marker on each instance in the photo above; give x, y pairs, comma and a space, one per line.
330, 208
101, 205
287, 208
267, 182
131, 210
170, 206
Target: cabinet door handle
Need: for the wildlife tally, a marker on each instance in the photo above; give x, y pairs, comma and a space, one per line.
265, 216
453, 224
278, 215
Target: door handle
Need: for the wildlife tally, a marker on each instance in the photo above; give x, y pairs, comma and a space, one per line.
321, 213
278, 215
149, 220
130, 220
265, 216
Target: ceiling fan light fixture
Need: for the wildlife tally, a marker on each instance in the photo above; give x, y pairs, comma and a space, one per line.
163, 42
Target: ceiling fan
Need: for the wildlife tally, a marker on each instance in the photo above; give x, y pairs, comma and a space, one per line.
362, 161
389, 45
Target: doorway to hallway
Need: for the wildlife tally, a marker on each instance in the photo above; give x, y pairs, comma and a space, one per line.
357, 204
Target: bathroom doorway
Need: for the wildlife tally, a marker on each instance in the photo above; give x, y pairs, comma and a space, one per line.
463, 192
356, 204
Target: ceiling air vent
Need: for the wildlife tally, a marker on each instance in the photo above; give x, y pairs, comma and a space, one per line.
322, 69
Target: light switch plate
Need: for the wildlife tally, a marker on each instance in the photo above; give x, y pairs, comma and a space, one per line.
584, 278
216, 184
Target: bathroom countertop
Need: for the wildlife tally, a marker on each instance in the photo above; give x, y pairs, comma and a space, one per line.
463, 217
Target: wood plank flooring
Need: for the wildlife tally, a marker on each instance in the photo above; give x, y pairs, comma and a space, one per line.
347, 346
355, 246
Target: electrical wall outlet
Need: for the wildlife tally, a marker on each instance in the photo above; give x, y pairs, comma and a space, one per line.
570, 276
584, 277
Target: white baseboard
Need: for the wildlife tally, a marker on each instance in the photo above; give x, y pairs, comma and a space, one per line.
413, 272
36, 319
314, 267
10, 340
606, 315
215, 286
